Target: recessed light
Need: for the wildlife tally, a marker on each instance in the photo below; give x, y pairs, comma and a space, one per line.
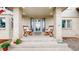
51, 13
23, 7
24, 13
50, 7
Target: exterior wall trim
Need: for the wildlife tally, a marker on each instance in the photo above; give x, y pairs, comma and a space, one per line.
70, 17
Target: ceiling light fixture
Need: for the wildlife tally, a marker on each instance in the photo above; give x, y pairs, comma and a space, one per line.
23, 7
50, 7
51, 13
24, 13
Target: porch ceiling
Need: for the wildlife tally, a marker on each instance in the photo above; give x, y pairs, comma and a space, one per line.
38, 11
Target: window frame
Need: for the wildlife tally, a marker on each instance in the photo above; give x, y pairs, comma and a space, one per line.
66, 24
1, 18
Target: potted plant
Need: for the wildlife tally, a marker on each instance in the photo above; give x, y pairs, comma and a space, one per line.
18, 41
5, 46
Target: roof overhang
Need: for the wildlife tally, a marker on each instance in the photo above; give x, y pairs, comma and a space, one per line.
38, 11
63, 8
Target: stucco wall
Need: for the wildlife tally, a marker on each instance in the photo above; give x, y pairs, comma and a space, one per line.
72, 14
73, 31
49, 21
26, 21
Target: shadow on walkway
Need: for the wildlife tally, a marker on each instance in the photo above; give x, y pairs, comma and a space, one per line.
72, 43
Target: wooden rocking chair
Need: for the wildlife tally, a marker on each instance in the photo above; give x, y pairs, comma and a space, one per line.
27, 31
49, 31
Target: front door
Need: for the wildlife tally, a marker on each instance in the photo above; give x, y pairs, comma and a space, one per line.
38, 25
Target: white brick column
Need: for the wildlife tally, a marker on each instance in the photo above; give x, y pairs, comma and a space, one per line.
16, 23
58, 24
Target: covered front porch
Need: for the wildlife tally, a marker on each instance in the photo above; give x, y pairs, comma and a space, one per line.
37, 20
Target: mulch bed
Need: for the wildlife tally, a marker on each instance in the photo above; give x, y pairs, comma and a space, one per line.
1, 41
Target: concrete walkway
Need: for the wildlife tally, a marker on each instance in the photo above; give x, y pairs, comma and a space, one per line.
39, 43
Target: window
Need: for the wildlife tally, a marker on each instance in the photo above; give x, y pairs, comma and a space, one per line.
2, 22
63, 23
66, 24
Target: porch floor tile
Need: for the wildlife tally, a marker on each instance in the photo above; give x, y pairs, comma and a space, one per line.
40, 43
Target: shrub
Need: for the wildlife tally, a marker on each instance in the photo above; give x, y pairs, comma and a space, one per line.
18, 41
5, 45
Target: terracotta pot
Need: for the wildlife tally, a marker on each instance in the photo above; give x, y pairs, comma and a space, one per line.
5, 49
